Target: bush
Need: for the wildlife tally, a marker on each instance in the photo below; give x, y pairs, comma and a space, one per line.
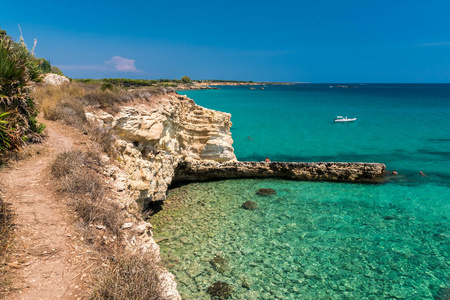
57, 71
186, 79
18, 68
129, 277
104, 136
109, 101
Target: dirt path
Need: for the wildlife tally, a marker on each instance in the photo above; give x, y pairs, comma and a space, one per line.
50, 259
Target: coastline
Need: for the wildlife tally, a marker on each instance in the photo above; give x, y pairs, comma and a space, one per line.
217, 85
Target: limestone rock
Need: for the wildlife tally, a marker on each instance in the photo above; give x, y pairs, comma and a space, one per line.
156, 132
55, 79
127, 225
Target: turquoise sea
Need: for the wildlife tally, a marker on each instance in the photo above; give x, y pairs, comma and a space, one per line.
320, 240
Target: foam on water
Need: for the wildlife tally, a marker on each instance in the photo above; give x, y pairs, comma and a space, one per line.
321, 240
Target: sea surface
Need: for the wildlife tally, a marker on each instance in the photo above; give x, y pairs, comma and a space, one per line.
320, 240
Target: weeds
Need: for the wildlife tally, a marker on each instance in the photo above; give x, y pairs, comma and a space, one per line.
107, 100
129, 277
50, 98
78, 176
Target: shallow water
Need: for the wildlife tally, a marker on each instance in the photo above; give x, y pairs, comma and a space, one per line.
317, 240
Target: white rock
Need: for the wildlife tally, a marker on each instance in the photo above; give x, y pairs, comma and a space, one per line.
55, 79
127, 225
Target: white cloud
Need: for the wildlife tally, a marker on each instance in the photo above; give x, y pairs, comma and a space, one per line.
434, 44
122, 64
116, 63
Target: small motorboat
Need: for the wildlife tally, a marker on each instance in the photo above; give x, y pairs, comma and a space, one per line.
342, 119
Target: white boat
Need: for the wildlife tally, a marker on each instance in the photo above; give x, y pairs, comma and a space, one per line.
342, 119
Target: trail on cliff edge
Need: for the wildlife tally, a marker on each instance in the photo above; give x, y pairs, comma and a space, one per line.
49, 258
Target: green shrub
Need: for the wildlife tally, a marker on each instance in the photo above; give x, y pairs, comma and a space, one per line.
57, 71
186, 79
18, 68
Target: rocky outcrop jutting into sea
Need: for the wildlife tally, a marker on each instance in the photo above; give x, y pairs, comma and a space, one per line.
191, 170
165, 137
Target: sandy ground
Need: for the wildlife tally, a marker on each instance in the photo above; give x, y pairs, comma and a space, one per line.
50, 259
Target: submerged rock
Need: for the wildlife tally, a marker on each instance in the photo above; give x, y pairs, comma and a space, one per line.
220, 290
266, 192
219, 263
245, 283
250, 205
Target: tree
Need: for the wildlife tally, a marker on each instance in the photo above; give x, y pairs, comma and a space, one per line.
186, 79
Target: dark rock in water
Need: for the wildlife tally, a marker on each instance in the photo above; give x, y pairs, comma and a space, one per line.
245, 283
266, 192
390, 218
220, 290
219, 264
250, 205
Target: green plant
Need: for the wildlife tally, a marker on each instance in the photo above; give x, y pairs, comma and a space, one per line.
57, 71
186, 79
18, 68
5, 139
107, 86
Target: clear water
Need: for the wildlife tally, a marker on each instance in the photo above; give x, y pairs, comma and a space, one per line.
321, 240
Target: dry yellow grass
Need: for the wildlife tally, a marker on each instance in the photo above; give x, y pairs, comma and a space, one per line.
49, 97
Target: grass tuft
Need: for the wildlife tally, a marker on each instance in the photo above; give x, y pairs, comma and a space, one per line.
129, 277
78, 175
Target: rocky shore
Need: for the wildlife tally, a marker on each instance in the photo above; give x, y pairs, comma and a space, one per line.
191, 170
165, 137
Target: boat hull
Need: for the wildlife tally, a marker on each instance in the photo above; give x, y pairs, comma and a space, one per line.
344, 120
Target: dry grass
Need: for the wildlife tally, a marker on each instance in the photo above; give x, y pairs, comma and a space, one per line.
6, 235
78, 176
66, 103
107, 100
129, 277
49, 97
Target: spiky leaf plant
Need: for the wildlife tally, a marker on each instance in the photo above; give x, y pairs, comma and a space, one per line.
18, 68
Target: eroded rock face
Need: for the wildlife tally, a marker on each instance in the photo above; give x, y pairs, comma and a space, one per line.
156, 132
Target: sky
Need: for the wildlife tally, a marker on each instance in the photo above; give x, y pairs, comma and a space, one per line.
395, 41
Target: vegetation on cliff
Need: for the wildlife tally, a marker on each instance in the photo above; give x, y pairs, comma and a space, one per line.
80, 177
18, 70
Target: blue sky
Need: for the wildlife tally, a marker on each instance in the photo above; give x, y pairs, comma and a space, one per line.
306, 41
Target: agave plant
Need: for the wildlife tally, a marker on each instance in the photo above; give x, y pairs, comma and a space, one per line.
18, 68
5, 138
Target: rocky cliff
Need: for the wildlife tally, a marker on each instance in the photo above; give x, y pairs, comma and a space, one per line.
157, 131
163, 136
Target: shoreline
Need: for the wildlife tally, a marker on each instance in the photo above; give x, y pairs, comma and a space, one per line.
217, 85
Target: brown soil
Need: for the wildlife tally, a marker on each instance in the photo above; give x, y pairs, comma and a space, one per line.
50, 259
